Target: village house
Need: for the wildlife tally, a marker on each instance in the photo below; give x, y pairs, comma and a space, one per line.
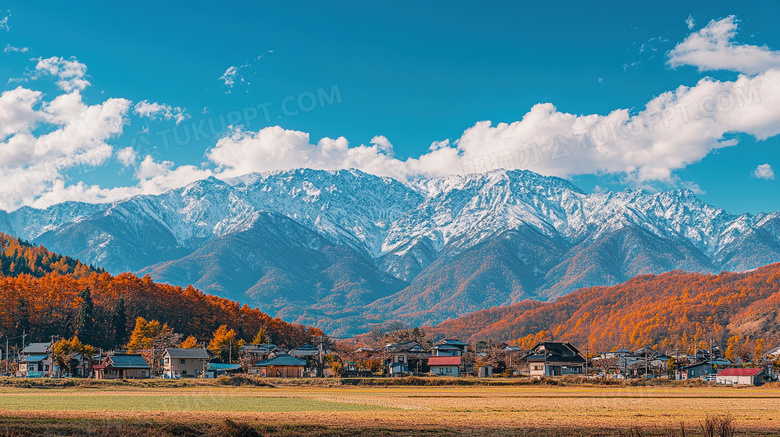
281, 366
36, 349
740, 376
123, 366
449, 348
76, 365
254, 353
35, 366
220, 369
36, 361
772, 354
403, 357
704, 368
184, 363
445, 365
550, 358
304, 352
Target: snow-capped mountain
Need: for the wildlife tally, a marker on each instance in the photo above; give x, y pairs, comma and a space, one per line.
344, 249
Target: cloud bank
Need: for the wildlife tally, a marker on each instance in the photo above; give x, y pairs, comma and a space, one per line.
40, 140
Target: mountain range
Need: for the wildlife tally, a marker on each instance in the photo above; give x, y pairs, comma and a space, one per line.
344, 250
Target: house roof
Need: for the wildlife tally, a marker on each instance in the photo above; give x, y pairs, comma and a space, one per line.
224, 366
128, 361
258, 347
36, 348
306, 350
283, 360
445, 347
556, 351
454, 342
194, 353
406, 346
740, 372
444, 361
34, 358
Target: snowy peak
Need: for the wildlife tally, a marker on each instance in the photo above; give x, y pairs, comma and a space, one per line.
383, 218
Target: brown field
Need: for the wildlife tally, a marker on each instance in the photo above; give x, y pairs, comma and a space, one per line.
357, 410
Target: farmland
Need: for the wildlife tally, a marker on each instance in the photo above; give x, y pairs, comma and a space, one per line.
338, 410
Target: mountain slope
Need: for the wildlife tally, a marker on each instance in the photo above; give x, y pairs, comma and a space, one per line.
346, 249
44, 301
643, 311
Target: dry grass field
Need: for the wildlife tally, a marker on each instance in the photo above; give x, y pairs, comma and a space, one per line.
357, 410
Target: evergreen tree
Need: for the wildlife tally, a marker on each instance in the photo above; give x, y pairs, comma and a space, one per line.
120, 322
86, 321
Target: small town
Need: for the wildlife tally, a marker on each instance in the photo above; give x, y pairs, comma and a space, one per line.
447, 358
389, 219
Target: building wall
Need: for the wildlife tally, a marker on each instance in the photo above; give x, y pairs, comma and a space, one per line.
111, 373
191, 366
284, 372
537, 369
737, 380
445, 370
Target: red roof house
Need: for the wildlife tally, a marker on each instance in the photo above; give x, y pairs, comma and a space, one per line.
445, 366
740, 376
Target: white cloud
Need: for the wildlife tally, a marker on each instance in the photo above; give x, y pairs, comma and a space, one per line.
4, 23
70, 72
764, 171
159, 177
75, 134
274, 148
156, 110
713, 48
11, 49
229, 77
234, 76
383, 143
126, 156
690, 22
674, 130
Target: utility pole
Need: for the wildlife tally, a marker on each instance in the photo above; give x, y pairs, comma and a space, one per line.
587, 352
320, 368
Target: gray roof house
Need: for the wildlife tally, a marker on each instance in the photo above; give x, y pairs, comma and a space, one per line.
178, 362
123, 366
36, 349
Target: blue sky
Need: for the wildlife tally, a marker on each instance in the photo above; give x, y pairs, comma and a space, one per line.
392, 80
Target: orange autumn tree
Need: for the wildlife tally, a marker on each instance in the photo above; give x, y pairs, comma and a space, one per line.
39, 296
225, 344
675, 310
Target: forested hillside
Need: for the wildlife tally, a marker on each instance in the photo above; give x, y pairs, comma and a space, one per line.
39, 295
18, 257
668, 310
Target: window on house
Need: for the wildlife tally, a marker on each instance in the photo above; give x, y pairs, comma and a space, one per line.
449, 369
182, 361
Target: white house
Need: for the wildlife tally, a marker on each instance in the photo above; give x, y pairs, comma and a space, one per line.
445, 365
738, 376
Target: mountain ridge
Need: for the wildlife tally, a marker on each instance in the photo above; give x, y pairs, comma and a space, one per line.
425, 250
